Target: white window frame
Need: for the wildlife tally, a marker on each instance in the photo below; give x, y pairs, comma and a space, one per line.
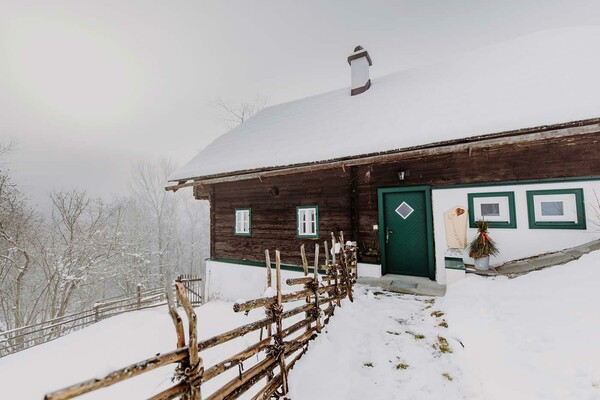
573, 209
506, 209
243, 221
307, 221
569, 207
502, 202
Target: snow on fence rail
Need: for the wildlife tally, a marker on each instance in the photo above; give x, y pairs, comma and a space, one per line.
24, 337
280, 348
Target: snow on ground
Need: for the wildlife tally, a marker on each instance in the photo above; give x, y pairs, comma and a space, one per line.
113, 344
533, 337
384, 346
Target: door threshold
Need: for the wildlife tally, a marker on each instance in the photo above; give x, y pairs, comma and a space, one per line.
407, 284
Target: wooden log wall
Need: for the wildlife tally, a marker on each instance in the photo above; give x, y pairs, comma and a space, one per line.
273, 202
347, 197
544, 159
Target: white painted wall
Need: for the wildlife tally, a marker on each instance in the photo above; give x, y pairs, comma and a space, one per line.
235, 282
516, 243
369, 270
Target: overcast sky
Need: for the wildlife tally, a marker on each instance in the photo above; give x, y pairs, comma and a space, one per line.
87, 88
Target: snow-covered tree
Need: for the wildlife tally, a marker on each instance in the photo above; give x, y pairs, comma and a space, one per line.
82, 241
149, 180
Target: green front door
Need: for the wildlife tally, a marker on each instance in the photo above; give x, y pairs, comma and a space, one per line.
405, 228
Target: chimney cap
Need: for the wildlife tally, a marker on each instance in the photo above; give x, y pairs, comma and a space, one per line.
359, 52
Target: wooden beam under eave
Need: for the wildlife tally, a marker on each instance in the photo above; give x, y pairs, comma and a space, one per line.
468, 144
201, 192
175, 188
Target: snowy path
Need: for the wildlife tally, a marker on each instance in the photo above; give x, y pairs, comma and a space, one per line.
384, 346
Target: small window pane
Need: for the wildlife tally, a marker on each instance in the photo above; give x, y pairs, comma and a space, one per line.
307, 221
552, 208
242, 221
490, 210
302, 224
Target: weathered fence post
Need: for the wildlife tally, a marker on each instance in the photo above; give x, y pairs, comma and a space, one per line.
174, 315
304, 260
139, 295
315, 287
268, 262
344, 267
268, 312
196, 368
280, 345
334, 270
96, 312
306, 285
177, 280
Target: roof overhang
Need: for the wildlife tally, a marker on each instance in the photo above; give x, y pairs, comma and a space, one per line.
473, 142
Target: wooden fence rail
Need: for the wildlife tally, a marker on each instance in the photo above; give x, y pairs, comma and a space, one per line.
14, 340
288, 332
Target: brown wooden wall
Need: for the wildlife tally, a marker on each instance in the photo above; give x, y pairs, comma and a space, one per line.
273, 202
545, 159
347, 199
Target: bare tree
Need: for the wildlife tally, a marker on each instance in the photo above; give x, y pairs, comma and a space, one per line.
17, 227
194, 232
135, 247
149, 179
81, 241
595, 206
235, 113
89, 248
17, 232
5, 149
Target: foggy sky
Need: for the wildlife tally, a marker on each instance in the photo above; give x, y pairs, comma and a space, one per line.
89, 88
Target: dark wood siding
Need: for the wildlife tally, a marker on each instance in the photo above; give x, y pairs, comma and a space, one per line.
273, 202
566, 157
347, 199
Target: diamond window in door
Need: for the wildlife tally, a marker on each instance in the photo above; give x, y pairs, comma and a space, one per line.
404, 210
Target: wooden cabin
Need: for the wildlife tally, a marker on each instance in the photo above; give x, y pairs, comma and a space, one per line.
405, 164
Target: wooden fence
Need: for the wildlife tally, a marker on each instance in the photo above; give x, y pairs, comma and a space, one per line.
285, 340
24, 337
193, 288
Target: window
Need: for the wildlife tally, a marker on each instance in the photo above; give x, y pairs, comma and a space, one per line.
490, 209
242, 222
307, 221
556, 209
497, 208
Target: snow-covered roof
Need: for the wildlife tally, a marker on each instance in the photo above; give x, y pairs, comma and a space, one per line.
540, 79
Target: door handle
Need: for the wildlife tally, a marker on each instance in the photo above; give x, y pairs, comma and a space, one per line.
388, 231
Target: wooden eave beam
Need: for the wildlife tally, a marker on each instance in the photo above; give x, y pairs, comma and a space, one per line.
475, 142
